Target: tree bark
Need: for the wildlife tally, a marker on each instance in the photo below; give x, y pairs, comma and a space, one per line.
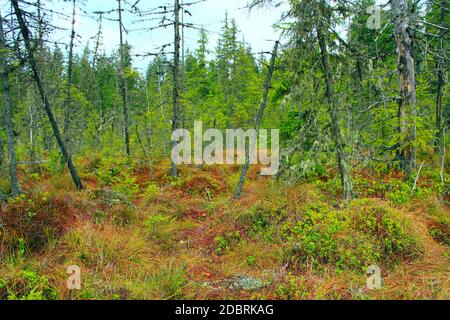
124, 86
440, 81
183, 66
48, 110
259, 117
176, 80
67, 109
407, 86
335, 130
7, 106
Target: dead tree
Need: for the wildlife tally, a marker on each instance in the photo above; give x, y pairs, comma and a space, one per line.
407, 86
332, 110
26, 35
7, 107
259, 117
441, 80
176, 79
67, 109
124, 84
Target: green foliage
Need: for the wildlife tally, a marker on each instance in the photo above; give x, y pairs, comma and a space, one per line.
225, 242
118, 175
152, 191
293, 288
251, 261
440, 230
55, 164
332, 186
27, 285
170, 280
156, 220
263, 221
353, 239
21, 247
399, 193
155, 223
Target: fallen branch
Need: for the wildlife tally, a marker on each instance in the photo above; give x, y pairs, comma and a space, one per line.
417, 177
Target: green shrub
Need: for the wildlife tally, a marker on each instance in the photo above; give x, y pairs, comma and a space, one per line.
263, 220
293, 288
349, 240
226, 241
27, 285
152, 191
251, 261
55, 164
118, 175
399, 192
154, 223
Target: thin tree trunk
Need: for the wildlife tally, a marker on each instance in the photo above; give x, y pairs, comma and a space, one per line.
407, 86
183, 67
335, 130
67, 109
2, 152
259, 116
33, 64
440, 81
176, 80
31, 133
124, 85
7, 106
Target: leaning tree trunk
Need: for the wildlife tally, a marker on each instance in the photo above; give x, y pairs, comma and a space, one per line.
176, 80
407, 87
335, 130
37, 78
259, 116
4, 80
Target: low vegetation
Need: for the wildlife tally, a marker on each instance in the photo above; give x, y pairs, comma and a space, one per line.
187, 238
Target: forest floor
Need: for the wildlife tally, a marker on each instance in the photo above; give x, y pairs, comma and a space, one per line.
138, 236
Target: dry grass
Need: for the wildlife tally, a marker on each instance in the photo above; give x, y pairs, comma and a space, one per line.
168, 247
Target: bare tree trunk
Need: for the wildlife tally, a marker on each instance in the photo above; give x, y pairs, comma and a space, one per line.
407, 86
335, 130
176, 80
67, 109
2, 152
183, 67
4, 79
259, 116
124, 86
33, 64
440, 82
31, 133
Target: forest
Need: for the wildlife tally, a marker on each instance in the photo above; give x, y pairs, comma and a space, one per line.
94, 207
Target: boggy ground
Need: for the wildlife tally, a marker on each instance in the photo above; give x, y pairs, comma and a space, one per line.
138, 235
